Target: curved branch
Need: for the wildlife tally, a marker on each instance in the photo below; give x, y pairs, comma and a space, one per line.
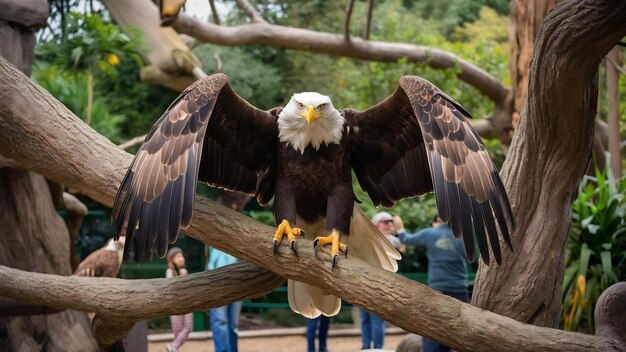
45, 136
250, 11
133, 142
6, 162
133, 300
118, 304
335, 44
346, 20
216, 16
368, 19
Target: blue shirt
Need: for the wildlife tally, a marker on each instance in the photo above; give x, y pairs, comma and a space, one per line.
447, 263
218, 259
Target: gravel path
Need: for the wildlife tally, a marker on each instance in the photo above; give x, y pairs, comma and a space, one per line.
280, 344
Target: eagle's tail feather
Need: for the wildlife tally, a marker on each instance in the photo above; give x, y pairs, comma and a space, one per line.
311, 301
367, 243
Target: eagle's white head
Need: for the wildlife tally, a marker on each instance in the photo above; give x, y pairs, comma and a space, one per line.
116, 246
309, 118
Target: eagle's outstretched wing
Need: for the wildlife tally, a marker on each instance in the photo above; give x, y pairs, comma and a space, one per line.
418, 140
208, 134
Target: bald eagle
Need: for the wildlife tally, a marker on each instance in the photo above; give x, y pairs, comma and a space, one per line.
105, 262
416, 141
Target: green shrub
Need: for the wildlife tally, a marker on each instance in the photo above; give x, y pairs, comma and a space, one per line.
596, 249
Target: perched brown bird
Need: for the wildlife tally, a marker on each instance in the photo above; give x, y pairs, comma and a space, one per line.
105, 262
416, 141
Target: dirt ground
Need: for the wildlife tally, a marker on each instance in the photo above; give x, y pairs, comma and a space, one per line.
280, 344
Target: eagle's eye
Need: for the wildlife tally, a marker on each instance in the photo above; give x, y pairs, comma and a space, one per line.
300, 105
321, 106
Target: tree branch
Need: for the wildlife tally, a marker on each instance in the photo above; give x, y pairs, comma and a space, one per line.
77, 212
133, 300
216, 16
31, 14
368, 19
40, 132
346, 20
6, 162
250, 11
133, 142
120, 303
335, 44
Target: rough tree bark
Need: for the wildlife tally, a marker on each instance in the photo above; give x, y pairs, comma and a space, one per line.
550, 152
66, 150
526, 20
614, 60
34, 236
121, 303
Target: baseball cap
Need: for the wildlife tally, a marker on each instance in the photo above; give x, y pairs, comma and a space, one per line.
382, 216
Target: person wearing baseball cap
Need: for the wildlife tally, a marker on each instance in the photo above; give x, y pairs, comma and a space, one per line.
384, 222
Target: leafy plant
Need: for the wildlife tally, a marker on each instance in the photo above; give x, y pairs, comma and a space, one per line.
596, 249
70, 88
91, 45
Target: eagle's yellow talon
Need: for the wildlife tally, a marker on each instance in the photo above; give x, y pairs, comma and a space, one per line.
285, 229
336, 246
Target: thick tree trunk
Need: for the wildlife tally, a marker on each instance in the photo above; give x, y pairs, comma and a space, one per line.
526, 20
34, 236
613, 119
550, 152
36, 239
65, 149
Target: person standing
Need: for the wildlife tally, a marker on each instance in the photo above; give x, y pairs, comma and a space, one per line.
181, 324
323, 322
372, 326
224, 319
447, 264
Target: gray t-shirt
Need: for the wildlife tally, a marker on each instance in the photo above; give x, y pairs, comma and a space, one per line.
447, 263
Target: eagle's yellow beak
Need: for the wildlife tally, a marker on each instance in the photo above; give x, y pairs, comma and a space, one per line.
310, 114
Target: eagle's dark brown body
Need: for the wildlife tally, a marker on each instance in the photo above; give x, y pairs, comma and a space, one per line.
316, 184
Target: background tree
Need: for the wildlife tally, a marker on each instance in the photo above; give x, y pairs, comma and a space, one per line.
35, 237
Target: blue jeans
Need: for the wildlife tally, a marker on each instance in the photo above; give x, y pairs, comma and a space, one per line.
324, 323
224, 322
429, 345
372, 330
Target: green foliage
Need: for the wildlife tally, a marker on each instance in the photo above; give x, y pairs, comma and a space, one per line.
596, 249
123, 107
70, 88
89, 43
453, 13
255, 81
490, 27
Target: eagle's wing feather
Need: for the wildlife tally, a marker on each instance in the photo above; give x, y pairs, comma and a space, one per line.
209, 134
418, 140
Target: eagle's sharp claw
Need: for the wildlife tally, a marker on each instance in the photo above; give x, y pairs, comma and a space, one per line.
294, 248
